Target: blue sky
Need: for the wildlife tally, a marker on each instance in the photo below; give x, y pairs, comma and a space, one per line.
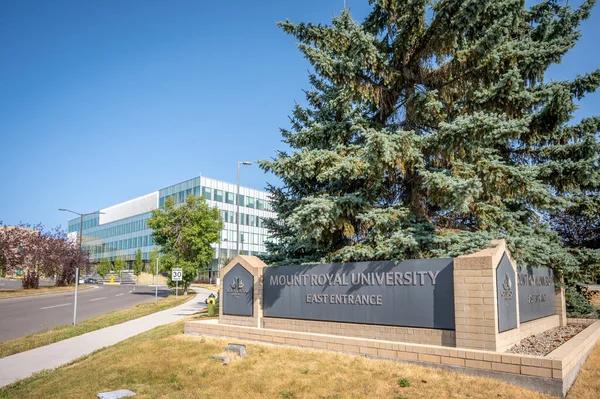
103, 101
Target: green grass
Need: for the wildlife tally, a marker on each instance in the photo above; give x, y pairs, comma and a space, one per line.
32, 341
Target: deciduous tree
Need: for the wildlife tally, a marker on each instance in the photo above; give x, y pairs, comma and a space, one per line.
104, 267
138, 263
185, 233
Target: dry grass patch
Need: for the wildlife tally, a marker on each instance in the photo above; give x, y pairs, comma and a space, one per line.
595, 300
32, 341
163, 363
211, 287
41, 291
587, 385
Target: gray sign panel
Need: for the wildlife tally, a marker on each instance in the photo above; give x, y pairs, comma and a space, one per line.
238, 292
505, 291
415, 293
536, 293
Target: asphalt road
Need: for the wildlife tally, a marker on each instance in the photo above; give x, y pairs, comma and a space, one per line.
28, 315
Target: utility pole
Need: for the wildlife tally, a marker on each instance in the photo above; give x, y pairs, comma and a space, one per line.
81, 215
237, 245
156, 286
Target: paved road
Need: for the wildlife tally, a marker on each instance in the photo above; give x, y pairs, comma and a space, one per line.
22, 365
27, 315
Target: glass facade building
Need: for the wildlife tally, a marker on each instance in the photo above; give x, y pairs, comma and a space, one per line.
121, 229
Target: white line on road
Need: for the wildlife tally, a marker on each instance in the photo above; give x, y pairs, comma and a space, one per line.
55, 306
97, 299
120, 294
130, 291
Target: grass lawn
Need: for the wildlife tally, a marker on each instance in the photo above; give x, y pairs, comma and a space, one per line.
32, 341
42, 291
164, 363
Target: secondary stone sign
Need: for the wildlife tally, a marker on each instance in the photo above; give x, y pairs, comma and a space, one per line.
412, 293
536, 293
506, 295
238, 292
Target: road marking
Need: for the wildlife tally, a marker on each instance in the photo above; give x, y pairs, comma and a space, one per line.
120, 294
55, 306
130, 291
97, 299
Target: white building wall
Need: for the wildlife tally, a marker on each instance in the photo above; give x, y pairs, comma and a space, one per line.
145, 203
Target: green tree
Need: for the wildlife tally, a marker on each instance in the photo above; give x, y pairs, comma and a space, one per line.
154, 257
430, 129
104, 267
185, 233
138, 263
119, 266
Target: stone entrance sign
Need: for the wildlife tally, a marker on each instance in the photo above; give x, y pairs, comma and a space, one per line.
412, 293
506, 294
238, 292
536, 293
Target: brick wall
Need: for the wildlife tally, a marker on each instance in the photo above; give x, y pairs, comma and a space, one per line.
390, 333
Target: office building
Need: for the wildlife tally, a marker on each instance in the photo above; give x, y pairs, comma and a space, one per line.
121, 229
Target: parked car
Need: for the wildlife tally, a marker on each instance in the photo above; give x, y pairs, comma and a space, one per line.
90, 280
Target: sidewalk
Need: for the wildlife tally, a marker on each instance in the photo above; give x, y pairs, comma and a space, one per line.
22, 365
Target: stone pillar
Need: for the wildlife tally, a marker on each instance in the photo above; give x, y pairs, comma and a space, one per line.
561, 306
475, 299
234, 308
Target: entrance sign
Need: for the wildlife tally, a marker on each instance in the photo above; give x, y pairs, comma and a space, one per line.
177, 274
536, 293
414, 293
505, 291
238, 292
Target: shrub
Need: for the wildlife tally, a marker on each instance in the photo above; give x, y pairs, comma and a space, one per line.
577, 303
31, 280
404, 382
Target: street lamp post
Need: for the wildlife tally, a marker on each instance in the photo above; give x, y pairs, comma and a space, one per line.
237, 245
81, 215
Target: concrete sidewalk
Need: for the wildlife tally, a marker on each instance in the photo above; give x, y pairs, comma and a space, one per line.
22, 365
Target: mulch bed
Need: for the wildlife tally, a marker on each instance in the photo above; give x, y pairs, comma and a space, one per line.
544, 343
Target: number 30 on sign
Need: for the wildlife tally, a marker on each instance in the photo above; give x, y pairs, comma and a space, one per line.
177, 274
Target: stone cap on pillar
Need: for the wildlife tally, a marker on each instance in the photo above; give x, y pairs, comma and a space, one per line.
486, 258
251, 263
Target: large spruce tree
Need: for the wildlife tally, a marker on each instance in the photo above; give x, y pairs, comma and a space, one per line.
430, 128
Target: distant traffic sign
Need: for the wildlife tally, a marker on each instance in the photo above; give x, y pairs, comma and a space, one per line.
177, 274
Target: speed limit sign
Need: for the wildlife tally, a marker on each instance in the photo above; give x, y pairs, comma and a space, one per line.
177, 274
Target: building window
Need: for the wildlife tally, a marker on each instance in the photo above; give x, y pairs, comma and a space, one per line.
260, 204
196, 191
241, 200
218, 195
229, 197
206, 193
250, 202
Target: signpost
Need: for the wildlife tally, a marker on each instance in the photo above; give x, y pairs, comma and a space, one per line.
177, 276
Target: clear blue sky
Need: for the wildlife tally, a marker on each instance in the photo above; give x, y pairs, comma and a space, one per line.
103, 101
